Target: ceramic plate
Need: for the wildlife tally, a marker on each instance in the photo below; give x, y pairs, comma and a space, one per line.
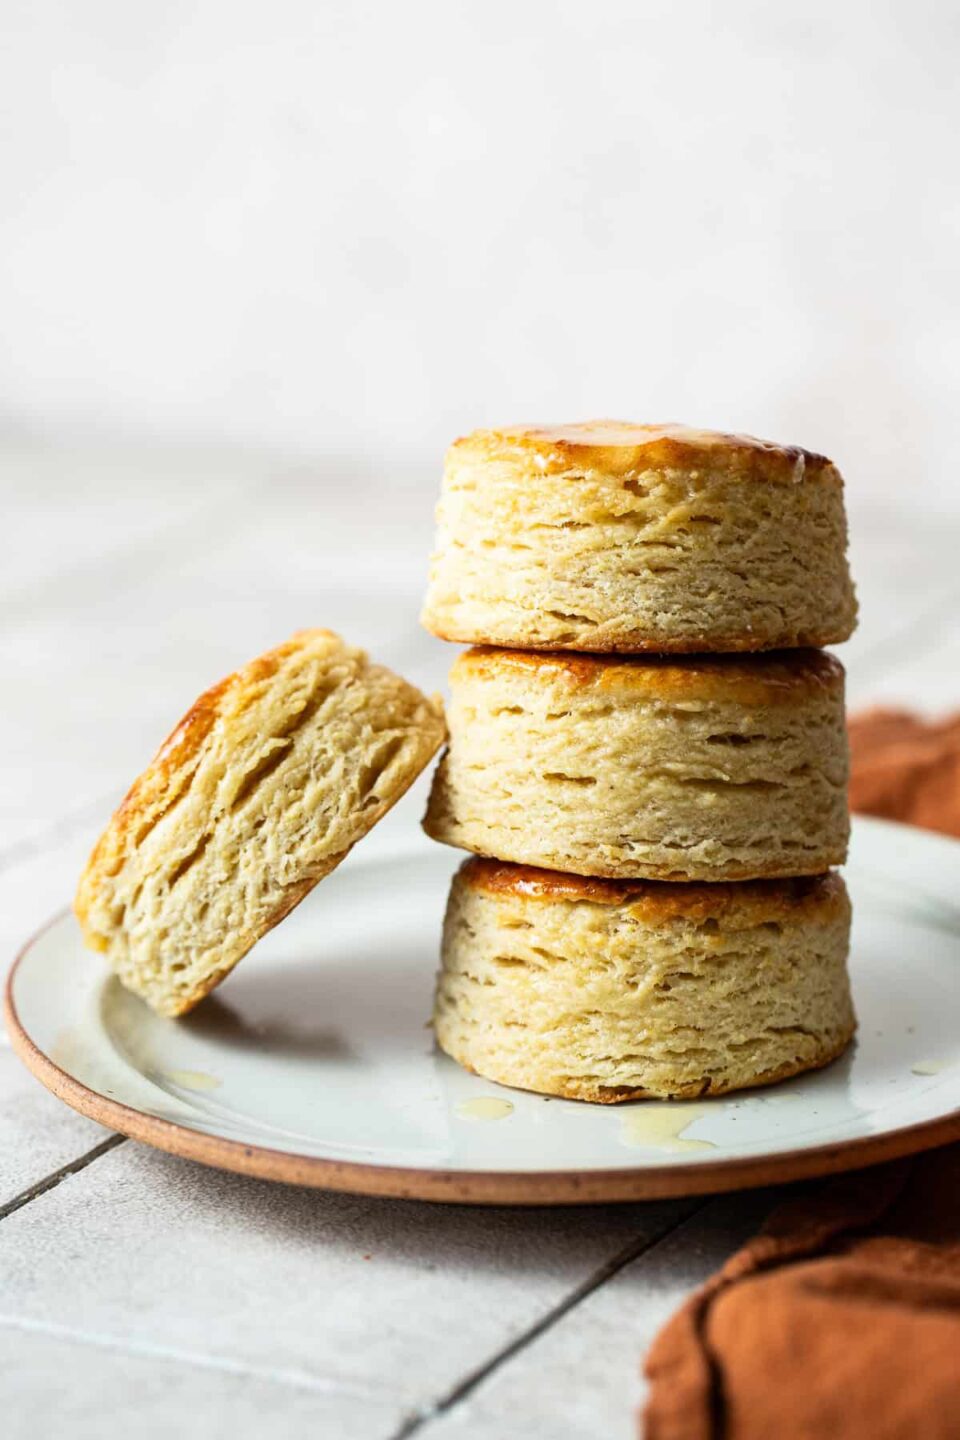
313, 1062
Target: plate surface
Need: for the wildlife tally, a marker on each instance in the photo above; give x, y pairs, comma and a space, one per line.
313, 1063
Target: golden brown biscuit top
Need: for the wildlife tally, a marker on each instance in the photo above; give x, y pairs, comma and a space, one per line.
174, 763
622, 446
652, 900
777, 677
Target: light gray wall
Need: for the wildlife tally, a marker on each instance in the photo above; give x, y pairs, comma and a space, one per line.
363, 228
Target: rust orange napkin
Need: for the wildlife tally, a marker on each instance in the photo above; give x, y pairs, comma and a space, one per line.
841, 1319
907, 769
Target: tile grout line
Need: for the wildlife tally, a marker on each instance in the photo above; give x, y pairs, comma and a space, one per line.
604, 1273
224, 1364
50, 1182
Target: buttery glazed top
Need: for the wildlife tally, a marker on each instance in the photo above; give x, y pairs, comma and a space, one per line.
170, 771
620, 446
773, 678
655, 900
175, 761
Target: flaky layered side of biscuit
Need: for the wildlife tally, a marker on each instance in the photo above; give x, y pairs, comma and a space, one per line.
638, 538
602, 991
258, 793
722, 768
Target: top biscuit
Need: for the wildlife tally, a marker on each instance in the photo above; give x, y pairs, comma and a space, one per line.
615, 537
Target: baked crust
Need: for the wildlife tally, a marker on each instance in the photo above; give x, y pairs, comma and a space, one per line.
769, 679
741, 642
620, 447
671, 874
703, 1089
730, 642
655, 900
259, 792
171, 767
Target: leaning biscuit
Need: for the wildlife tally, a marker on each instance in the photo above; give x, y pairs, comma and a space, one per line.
258, 793
610, 536
603, 991
708, 768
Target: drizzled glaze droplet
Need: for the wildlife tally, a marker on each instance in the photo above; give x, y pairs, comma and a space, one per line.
485, 1107
659, 1126
193, 1079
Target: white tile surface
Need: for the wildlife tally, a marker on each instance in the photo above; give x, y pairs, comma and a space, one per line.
154, 1251
90, 1390
583, 1376
37, 1133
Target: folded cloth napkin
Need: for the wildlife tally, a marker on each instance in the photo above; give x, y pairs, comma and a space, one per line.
842, 1318
906, 768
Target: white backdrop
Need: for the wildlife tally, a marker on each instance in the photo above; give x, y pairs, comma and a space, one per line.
345, 228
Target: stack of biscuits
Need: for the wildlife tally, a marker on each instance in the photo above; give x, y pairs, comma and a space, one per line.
647, 757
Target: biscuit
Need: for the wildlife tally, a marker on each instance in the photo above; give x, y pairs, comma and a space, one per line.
257, 794
629, 538
604, 991
714, 768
